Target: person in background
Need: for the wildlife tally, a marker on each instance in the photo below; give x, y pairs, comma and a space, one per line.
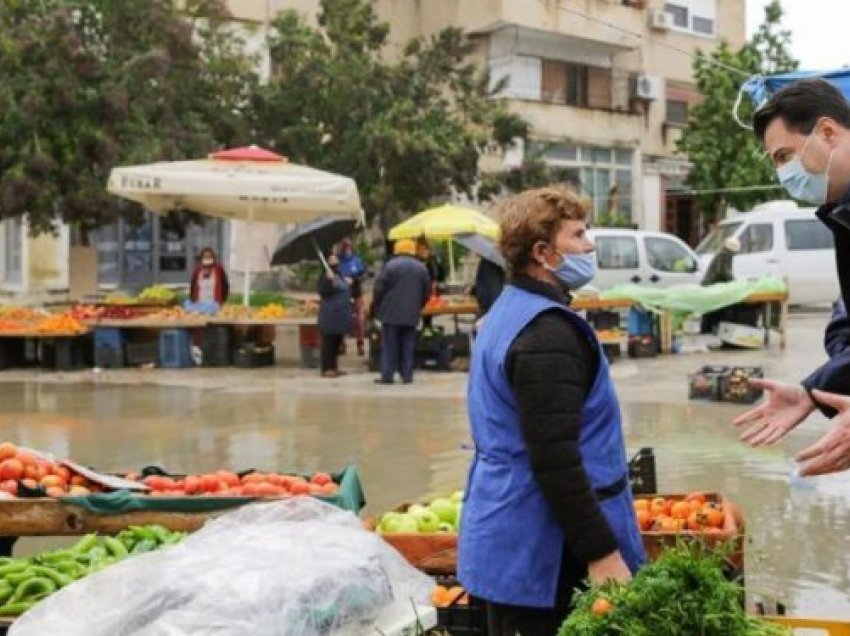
489, 282
335, 315
720, 268
548, 502
436, 272
209, 282
836, 339
401, 291
351, 266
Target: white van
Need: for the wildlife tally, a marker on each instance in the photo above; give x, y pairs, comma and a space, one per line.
642, 258
782, 239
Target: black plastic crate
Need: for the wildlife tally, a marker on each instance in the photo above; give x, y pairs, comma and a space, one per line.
705, 383
462, 618
62, 354
12, 353
735, 386
217, 346
459, 344
643, 346
603, 319
137, 354
251, 357
642, 473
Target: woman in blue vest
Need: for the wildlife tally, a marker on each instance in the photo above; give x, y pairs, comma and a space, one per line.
548, 503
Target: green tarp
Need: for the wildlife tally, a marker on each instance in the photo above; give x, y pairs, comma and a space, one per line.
350, 497
696, 299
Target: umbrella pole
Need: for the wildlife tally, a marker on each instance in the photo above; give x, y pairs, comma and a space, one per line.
451, 261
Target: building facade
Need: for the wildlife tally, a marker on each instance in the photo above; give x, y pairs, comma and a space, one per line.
605, 84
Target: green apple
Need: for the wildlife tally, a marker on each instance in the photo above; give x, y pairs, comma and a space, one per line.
446, 528
389, 523
415, 509
457, 497
444, 509
408, 525
427, 522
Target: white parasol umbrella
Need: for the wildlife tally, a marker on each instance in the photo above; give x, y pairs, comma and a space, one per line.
244, 184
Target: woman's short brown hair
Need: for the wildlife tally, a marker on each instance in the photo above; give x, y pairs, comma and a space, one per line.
534, 216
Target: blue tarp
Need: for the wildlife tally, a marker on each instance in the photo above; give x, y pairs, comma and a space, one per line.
760, 88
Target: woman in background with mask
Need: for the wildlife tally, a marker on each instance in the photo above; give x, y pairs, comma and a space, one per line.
548, 502
209, 280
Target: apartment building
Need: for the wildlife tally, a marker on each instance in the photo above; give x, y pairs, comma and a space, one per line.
605, 84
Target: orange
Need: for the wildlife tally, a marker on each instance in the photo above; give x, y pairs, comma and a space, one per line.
641, 504
680, 510
601, 607
7, 450
644, 519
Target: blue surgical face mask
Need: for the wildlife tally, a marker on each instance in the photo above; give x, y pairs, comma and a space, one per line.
575, 270
802, 184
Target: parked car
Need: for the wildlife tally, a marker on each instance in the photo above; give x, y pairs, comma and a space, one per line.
782, 239
642, 258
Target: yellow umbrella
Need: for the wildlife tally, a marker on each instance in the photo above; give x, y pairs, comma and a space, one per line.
443, 223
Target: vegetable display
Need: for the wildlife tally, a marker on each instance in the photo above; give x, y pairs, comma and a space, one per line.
683, 592
228, 484
693, 513
26, 581
442, 515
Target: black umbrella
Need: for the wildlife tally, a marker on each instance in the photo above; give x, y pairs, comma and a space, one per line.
484, 247
309, 241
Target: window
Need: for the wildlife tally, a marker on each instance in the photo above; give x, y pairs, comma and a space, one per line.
13, 250
757, 238
807, 235
695, 16
665, 255
679, 13
677, 112
714, 241
617, 252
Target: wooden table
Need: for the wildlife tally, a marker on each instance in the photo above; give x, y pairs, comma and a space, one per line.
145, 323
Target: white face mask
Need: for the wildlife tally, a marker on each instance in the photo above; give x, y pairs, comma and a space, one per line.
208, 262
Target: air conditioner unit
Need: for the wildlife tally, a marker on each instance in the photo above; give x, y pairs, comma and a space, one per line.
660, 20
649, 87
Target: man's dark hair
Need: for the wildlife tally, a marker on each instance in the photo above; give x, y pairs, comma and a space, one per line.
801, 104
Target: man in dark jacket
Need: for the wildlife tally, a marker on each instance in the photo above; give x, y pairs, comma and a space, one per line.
837, 337
805, 128
401, 291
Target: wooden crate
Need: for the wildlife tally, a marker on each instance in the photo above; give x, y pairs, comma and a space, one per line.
812, 626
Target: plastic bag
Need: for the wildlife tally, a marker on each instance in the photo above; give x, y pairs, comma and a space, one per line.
296, 567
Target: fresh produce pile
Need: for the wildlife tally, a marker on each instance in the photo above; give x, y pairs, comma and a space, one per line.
21, 314
120, 299
40, 323
227, 484
441, 515
23, 472
157, 294
683, 592
26, 581
693, 513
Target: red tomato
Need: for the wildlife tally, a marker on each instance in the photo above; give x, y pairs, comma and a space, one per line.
267, 490
330, 489
320, 479
300, 488
34, 471
231, 479
10, 486
63, 472
11, 469
26, 458
192, 485
250, 489
8, 450
210, 483
253, 478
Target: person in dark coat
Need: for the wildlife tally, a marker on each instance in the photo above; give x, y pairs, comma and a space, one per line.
489, 282
836, 340
805, 129
335, 316
401, 291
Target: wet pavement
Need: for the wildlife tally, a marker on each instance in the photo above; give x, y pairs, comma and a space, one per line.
407, 442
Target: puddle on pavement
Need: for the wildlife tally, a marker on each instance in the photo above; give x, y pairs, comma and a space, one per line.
406, 449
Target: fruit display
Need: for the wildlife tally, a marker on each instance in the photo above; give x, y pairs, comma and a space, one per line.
120, 299
157, 294
26, 581
684, 591
693, 513
21, 314
104, 312
272, 311
228, 484
23, 472
442, 515
59, 324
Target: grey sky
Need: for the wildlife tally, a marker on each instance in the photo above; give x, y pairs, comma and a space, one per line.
819, 30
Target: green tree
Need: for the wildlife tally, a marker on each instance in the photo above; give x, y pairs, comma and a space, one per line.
90, 84
723, 154
408, 130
